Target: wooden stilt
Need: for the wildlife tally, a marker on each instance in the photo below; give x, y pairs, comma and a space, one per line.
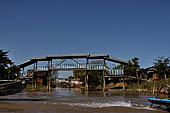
87, 85
85, 81
32, 82
35, 80
104, 83
49, 75
123, 77
86, 76
153, 86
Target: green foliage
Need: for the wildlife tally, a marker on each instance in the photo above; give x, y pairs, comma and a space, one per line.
13, 72
39, 86
7, 68
143, 85
146, 85
132, 67
162, 66
94, 77
4, 60
79, 74
118, 66
4, 63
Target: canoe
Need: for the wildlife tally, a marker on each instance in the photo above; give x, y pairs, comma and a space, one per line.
8, 87
159, 101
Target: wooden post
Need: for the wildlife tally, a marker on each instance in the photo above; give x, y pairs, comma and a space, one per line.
138, 80
49, 74
86, 76
153, 86
87, 85
22, 73
85, 81
35, 74
123, 77
104, 83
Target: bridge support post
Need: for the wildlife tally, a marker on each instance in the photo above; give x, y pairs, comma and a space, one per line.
49, 75
34, 76
104, 83
86, 76
86, 82
123, 77
35, 73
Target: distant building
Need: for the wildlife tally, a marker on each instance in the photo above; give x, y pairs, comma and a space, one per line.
75, 81
151, 73
38, 76
62, 80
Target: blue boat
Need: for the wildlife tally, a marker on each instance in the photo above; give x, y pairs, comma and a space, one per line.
159, 101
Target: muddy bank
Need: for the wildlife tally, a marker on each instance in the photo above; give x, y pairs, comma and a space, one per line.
43, 107
66, 100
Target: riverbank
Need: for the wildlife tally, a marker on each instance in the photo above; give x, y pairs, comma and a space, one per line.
66, 100
43, 107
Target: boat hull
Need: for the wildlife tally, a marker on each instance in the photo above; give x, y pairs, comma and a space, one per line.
11, 87
165, 102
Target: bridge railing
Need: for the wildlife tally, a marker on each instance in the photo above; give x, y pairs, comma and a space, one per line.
112, 71
117, 71
95, 67
72, 66
69, 66
42, 68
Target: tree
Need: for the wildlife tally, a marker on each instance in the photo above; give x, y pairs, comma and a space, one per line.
95, 77
4, 60
79, 74
162, 66
13, 72
7, 68
4, 64
133, 67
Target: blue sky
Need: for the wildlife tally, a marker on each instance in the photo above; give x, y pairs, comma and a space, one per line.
121, 28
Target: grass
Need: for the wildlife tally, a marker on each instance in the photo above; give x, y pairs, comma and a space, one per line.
148, 85
40, 87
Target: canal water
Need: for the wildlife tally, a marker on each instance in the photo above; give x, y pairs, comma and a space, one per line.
63, 100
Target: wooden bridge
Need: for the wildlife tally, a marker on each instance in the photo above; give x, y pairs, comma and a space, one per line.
86, 65
82, 66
